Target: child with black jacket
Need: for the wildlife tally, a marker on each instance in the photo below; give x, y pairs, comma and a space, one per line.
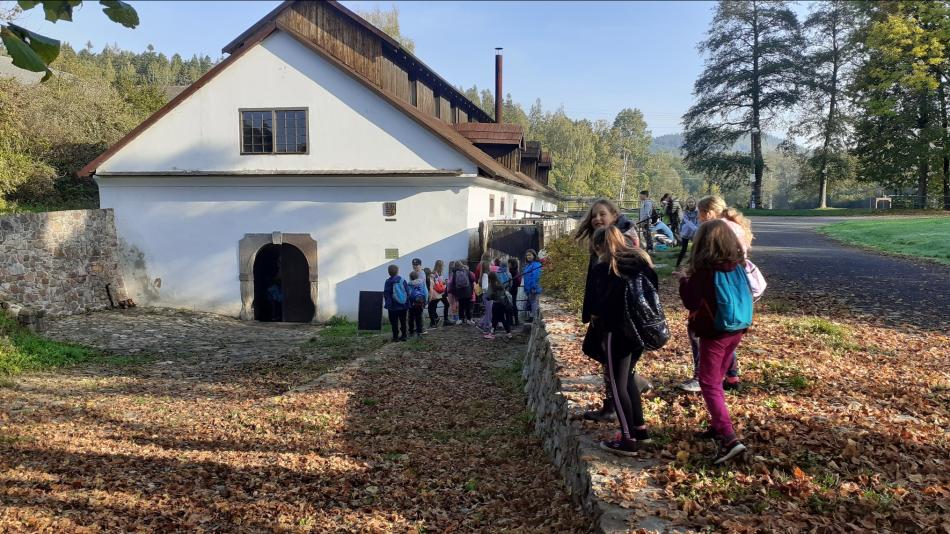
619, 261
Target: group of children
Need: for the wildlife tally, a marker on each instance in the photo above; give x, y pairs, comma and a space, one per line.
714, 290
495, 283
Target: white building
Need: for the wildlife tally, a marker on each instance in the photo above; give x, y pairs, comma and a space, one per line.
319, 146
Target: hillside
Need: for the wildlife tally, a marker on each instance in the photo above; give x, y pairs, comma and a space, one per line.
672, 143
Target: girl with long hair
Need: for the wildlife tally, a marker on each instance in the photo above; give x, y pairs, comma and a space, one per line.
617, 262
717, 249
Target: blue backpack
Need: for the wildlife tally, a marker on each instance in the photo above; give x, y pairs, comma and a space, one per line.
733, 301
399, 292
418, 296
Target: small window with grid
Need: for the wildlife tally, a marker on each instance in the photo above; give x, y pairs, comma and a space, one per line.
391, 253
280, 131
389, 209
502, 206
491, 205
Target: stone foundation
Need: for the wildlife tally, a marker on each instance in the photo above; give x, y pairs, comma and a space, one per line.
59, 263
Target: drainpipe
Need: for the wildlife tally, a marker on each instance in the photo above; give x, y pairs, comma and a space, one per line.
498, 94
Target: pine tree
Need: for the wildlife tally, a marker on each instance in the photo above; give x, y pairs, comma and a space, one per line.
752, 58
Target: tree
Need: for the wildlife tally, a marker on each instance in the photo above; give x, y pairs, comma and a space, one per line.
901, 90
825, 119
388, 22
34, 52
632, 144
752, 54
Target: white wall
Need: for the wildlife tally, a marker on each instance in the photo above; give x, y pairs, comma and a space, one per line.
349, 126
189, 233
478, 205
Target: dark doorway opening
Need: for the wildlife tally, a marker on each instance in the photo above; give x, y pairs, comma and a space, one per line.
282, 285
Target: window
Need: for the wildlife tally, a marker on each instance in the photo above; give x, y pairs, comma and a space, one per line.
389, 209
277, 131
413, 92
438, 105
502, 206
514, 208
491, 205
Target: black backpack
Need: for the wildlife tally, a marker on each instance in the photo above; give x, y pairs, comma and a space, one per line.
644, 322
654, 215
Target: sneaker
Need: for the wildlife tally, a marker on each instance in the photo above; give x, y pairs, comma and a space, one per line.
642, 436
489, 336
730, 385
623, 447
424, 332
643, 384
728, 451
402, 338
691, 386
508, 335
709, 433
606, 413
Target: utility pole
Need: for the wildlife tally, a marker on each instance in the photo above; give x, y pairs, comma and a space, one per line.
752, 134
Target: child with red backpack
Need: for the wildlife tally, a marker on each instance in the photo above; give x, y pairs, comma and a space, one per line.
716, 292
396, 301
418, 298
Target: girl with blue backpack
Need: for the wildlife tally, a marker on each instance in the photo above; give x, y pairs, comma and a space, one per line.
532, 282
716, 292
396, 301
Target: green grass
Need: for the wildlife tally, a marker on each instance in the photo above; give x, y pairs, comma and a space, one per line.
836, 212
21, 350
920, 237
340, 340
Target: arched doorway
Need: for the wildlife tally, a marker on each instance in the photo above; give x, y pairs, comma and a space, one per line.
282, 285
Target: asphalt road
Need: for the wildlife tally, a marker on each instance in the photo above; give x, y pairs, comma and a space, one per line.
794, 257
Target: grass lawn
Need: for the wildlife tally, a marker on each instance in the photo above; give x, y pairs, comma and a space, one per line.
916, 237
21, 350
838, 212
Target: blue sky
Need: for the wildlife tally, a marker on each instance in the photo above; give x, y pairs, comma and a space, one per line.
594, 58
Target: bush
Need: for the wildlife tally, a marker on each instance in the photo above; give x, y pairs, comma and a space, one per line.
565, 271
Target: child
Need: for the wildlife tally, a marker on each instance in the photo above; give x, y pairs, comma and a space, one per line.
416, 268
514, 269
647, 210
484, 269
453, 303
396, 297
618, 261
532, 282
500, 301
603, 213
688, 227
711, 208
461, 286
418, 297
717, 294
437, 293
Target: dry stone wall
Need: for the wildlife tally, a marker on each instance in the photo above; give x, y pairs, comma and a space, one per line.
60, 262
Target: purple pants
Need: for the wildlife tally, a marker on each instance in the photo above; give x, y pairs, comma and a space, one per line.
715, 356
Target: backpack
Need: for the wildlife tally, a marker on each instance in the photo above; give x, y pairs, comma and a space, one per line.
505, 279
399, 292
654, 215
417, 296
463, 284
644, 321
756, 280
733, 301
439, 285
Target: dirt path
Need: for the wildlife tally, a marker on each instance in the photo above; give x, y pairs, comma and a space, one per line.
219, 433
796, 258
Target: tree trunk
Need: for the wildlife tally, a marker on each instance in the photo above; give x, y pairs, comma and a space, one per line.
756, 131
829, 125
945, 131
923, 165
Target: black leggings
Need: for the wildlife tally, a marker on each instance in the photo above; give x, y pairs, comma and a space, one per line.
465, 308
434, 314
501, 314
684, 243
397, 318
621, 360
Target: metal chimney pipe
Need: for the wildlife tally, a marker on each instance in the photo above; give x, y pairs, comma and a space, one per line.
498, 93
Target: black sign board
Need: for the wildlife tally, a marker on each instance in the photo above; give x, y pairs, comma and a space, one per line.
371, 311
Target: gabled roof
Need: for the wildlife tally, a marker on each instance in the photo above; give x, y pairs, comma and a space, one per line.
263, 28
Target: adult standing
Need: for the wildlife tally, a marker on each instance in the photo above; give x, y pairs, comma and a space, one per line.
671, 208
438, 289
688, 227
645, 219
531, 277
514, 268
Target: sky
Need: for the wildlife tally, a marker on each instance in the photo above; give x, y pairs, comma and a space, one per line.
592, 58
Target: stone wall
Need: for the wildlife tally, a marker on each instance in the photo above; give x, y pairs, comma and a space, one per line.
59, 263
554, 396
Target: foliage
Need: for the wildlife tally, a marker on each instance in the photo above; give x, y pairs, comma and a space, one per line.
34, 52
565, 271
914, 237
748, 81
43, 143
388, 21
21, 350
